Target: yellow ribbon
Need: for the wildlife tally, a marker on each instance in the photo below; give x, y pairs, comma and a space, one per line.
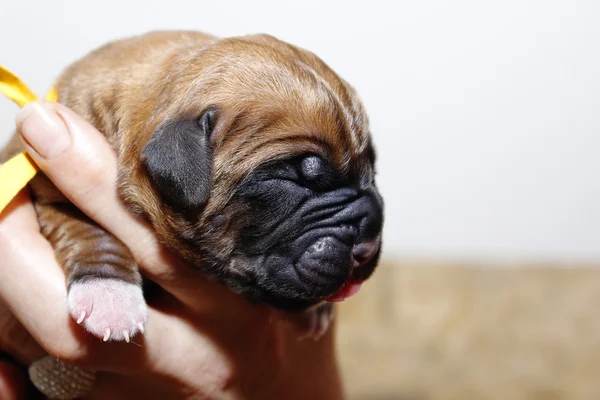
19, 170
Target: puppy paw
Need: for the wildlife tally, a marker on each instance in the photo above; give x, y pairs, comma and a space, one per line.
315, 322
107, 308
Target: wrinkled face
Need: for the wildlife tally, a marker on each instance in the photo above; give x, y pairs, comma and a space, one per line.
269, 178
309, 231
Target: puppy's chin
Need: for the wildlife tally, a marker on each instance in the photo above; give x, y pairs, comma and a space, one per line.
291, 285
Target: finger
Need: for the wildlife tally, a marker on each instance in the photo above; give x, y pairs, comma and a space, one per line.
81, 163
33, 285
33, 289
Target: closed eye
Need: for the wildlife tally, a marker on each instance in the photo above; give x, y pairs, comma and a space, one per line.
309, 171
316, 173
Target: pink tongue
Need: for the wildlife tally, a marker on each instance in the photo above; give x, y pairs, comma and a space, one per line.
349, 289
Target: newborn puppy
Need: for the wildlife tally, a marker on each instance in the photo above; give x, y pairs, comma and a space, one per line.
251, 159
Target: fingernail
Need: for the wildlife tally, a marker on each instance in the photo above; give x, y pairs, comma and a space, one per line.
43, 129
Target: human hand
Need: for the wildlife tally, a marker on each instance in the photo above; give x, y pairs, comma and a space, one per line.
202, 340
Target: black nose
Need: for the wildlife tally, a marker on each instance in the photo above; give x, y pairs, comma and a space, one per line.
371, 221
362, 253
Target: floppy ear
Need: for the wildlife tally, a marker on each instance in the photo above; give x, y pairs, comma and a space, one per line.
178, 159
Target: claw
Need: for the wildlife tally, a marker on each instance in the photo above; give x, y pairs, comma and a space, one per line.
81, 317
106, 335
126, 336
140, 326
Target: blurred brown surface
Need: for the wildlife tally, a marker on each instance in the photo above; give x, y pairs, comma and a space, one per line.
419, 332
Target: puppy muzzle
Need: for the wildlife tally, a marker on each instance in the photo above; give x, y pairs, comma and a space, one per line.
337, 251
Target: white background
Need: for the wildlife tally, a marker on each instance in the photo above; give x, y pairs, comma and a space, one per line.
486, 114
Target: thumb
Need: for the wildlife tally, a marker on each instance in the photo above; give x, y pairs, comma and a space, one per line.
78, 159
83, 166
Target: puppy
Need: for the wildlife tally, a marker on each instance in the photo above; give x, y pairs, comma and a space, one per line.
251, 159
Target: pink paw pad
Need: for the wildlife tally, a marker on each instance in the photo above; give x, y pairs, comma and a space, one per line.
108, 309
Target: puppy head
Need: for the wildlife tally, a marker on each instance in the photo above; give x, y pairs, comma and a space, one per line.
259, 169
